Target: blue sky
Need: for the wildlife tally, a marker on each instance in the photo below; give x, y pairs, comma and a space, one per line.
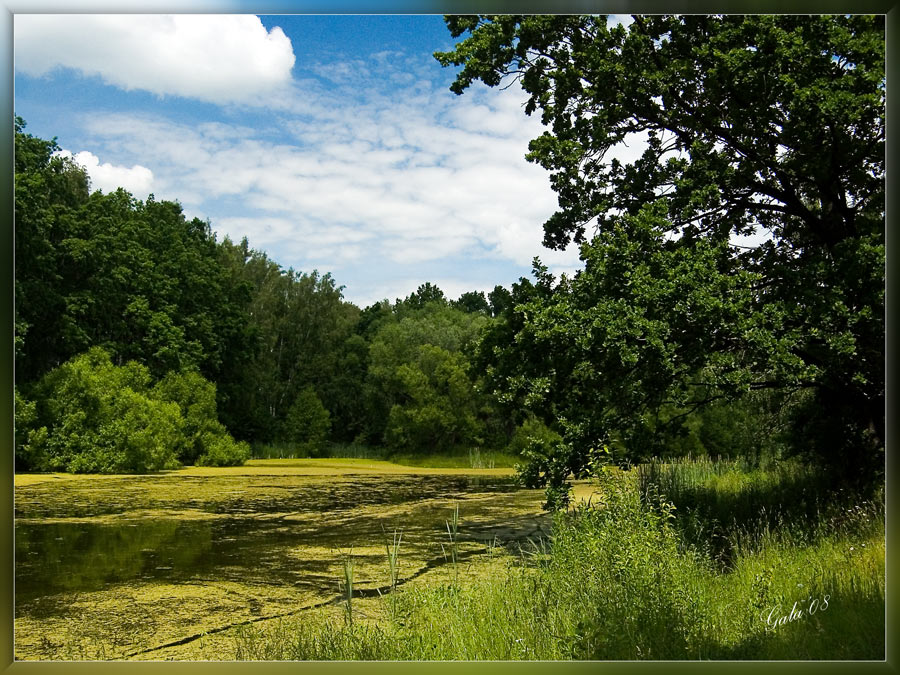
330, 142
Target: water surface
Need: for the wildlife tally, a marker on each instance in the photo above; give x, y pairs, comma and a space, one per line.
239, 545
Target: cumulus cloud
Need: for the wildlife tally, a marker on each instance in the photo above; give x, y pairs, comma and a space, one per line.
138, 180
213, 58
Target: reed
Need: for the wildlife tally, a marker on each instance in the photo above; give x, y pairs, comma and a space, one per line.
348, 586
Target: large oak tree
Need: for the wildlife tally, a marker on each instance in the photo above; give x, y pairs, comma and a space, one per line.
766, 125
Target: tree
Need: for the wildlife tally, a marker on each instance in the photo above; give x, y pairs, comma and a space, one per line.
136, 278
752, 124
48, 189
419, 393
473, 301
437, 407
299, 323
307, 422
28, 439
423, 295
500, 300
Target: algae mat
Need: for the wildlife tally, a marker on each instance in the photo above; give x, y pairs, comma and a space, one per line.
164, 566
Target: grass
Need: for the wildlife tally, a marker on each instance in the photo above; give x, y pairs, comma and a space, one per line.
641, 574
471, 458
392, 548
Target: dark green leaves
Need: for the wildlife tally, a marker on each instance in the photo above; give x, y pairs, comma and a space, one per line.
766, 124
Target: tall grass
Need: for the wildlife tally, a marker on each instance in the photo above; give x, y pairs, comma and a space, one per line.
724, 505
472, 458
330, 450
622, 580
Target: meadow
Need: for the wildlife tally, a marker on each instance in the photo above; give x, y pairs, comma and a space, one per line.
692, 559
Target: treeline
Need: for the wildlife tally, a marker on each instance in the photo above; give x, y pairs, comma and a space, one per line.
142, 342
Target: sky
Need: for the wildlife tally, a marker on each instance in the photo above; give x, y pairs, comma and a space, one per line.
331, 142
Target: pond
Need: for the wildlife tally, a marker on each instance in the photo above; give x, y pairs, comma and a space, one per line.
145, 566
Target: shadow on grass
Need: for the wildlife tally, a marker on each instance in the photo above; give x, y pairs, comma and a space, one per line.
721, 504
852, 628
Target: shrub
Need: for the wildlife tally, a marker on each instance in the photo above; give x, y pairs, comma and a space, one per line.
531, 428
220, 449
141, 435
29, 439
99, 418
203, 436
93, 416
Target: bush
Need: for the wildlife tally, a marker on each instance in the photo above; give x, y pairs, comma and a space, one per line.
99, 418
204, 439
531, 428
141, 435
222, 450
93, 416
29, 440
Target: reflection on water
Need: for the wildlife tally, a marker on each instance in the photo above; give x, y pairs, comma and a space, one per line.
242, 529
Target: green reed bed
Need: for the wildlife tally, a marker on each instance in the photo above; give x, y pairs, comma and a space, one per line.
328, 450
471, 458
619, 580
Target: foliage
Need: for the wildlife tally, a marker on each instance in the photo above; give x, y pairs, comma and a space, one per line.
500, 299
28, 439
437, 411
220, 449
531, 428
757, 427
299, 322
206, 442
765, 124
108, 270
99, 419
307, 423
47, 188
344, 389
226, 331
135, 278
91, 416
417, 381
424, 294
472, 301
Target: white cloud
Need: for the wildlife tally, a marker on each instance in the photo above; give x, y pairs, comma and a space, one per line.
214, 58
138, 180
376, 178
418, 183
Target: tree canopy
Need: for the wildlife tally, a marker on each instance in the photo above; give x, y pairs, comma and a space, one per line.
765, 125
219, 340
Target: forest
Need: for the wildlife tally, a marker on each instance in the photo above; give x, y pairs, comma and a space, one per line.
143, 342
